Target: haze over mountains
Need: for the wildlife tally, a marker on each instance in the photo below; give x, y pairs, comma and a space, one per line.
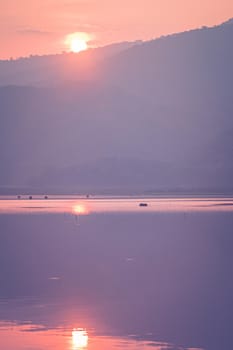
152, 116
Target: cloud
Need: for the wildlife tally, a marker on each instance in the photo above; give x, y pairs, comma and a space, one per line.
32, 31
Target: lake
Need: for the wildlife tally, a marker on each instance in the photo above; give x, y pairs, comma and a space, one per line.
106, 273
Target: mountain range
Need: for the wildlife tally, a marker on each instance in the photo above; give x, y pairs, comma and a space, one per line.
149, 116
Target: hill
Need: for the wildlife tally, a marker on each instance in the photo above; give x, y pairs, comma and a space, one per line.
155, 115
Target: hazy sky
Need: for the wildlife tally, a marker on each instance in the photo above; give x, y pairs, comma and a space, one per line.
40, 27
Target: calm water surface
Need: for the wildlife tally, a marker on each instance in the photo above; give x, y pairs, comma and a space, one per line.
105, 273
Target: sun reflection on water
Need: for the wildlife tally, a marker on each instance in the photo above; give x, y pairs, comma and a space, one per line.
79, 339
80, 209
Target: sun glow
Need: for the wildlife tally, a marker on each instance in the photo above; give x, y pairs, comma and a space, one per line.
78, 45
79, 339
80, 209
77, 42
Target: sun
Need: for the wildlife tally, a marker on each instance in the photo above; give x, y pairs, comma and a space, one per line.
77, 42
78, 45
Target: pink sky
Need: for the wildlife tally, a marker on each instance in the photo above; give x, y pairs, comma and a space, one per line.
40, 27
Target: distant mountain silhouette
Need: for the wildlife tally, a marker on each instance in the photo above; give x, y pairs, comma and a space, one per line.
52, 69
154, 115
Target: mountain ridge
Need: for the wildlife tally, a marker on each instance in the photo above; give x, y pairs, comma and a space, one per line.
161, 111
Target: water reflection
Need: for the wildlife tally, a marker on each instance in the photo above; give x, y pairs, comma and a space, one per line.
79, 339
80, 209
29, 336
70, 205
161, 280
